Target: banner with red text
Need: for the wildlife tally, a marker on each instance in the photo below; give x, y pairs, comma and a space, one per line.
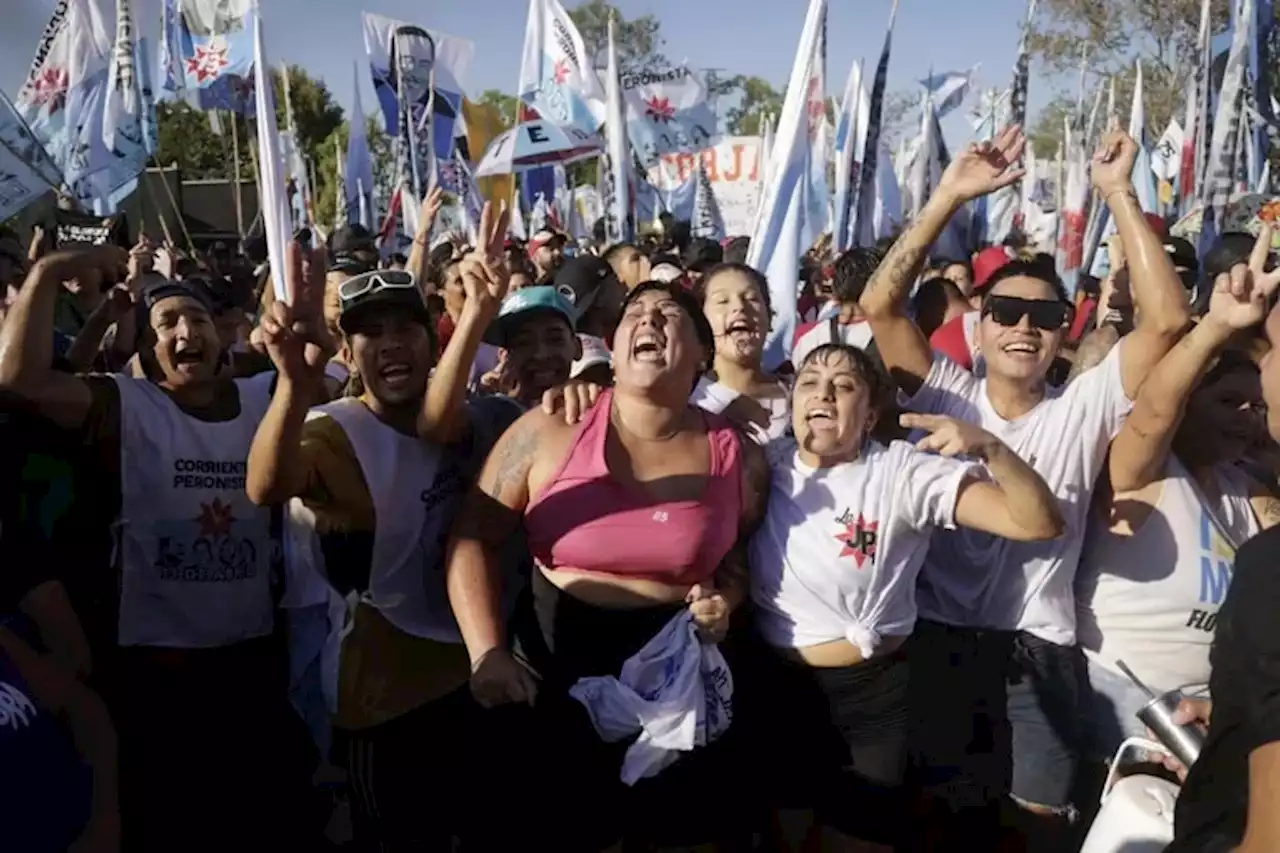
731, 167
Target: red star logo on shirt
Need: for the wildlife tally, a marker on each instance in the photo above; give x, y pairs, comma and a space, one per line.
659, 110
49, 87
858, 538
208, 61
215, 519
561, 72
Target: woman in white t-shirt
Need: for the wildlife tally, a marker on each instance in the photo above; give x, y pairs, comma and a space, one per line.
735, 300
1170, 511
833, 574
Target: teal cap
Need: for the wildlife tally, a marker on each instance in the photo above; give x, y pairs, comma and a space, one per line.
522, 304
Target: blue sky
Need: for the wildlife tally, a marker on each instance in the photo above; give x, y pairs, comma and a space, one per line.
755, 37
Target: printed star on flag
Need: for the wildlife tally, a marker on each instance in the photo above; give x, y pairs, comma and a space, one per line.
853, 540
659, 110
817, 110
561, 72
49, 87
215, 519
208, 61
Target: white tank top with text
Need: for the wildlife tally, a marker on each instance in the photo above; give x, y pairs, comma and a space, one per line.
1152, 599
408, 480
196, 554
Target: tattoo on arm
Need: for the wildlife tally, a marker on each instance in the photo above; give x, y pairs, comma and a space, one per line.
514, 458
1268, 510
901, 265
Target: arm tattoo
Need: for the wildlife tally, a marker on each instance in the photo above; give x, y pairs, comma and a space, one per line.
1268, 512
901, 265
514, 459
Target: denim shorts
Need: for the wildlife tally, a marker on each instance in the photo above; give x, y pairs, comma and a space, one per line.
1114, 702
995, 713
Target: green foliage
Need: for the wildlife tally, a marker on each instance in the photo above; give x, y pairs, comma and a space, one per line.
506, 105
755, 98
638, 41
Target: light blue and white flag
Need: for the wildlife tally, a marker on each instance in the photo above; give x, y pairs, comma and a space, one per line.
865, 186
707, 222
271, 171
359, 172
557, 78
850, 135
615, 189
949, 89
668, 112
778, 241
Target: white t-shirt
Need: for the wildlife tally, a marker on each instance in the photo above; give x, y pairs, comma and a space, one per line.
711, 396
977, 580
839, 551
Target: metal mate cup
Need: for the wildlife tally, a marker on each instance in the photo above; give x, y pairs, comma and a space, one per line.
1184, 741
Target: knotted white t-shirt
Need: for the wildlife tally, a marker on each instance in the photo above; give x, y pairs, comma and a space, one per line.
840, 549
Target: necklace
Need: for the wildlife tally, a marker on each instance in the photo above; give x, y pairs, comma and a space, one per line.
620, 421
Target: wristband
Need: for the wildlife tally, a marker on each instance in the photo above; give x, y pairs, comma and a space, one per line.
1127, 191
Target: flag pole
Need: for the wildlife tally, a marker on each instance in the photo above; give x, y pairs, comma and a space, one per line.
235, 175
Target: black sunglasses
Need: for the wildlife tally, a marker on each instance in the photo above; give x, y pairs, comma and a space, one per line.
1048, 315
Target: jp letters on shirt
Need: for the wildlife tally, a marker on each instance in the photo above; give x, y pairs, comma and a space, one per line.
208, 548
857, 538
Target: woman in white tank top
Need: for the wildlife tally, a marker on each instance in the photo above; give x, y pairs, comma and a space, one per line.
1168, 516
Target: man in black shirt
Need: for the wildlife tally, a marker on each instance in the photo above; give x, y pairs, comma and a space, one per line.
1229, 800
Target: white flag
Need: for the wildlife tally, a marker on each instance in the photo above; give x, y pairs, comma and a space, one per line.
275, 205
614, 189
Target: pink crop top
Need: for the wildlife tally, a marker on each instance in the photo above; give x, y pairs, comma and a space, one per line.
585, 519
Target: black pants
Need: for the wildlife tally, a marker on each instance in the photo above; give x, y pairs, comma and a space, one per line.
212, 756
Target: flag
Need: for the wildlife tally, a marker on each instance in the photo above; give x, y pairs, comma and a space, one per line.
295, 164
340, 186
275, 205
1165, 159
864, 189
484, 124
707, 221
557, 79
540, 216
1198, 123
949, 89
776, 245
667, 112
1072, 210
26, 172
359, 166
1225, 152
397, 49
849, 132
211, 44
619, 226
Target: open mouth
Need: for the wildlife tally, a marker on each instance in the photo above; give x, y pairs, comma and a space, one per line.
820, 417
188, 357
1022, 349
742, 330
649, 347
396, 373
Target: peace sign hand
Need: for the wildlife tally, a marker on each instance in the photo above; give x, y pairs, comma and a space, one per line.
985, 167
485, 276
1241, 297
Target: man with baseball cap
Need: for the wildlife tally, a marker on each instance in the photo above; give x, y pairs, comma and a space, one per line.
546, 250
593, 288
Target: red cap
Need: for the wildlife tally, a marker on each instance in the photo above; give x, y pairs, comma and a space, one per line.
988, 263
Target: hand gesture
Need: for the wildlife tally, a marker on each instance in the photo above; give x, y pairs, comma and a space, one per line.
485, 275
1113, 162
499, 679
985, 167
1241, 297
574, 398
430, 207
950, 437
141, 258
710, 613
298, 348
499, 379
164, 261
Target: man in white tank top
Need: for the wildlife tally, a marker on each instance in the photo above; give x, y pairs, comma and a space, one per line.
202, 704
1010, 605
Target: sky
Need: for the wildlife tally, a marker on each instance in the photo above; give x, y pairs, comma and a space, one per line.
752, 37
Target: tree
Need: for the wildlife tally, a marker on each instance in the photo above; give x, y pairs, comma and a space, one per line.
1111, 35
756, 97
506, 105
638, 41
185, 137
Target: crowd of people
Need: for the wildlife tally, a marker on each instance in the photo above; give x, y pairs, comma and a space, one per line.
269, 562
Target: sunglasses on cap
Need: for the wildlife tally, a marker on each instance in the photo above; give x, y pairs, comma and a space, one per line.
1048, 315
367, 284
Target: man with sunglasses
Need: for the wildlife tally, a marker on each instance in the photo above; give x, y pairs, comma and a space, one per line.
996, 668
382, 501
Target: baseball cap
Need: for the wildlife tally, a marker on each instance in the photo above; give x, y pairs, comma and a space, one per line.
193, 288
580, 279
543, 238
594, 351
988, 263
521, 305
392, 288
352, 248
1181, 252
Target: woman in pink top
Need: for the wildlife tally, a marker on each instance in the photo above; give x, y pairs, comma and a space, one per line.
642, 509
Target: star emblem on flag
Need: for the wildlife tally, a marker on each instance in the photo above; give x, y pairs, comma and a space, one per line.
209, 60
659, 110
49, 87
215, 519
561, 72
817, 110
858, 539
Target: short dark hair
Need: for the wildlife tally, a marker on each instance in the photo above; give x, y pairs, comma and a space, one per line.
615, 250
1232, 248
735, 251
684, 299
752, 274
879, 388
1036, 268
853, 269
702, 254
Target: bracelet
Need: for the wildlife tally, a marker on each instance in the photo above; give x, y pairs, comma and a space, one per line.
1129, 192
